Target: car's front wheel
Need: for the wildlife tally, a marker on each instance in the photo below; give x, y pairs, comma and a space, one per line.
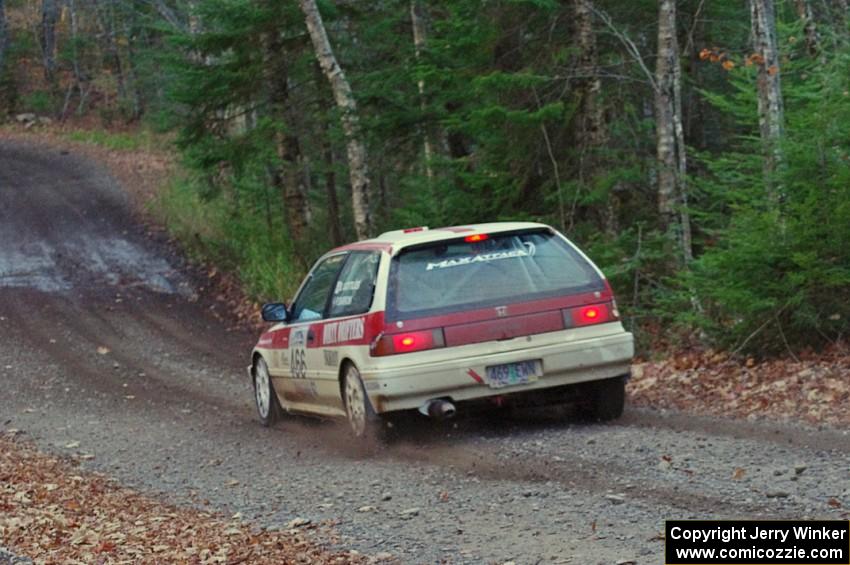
265, 396
362, 420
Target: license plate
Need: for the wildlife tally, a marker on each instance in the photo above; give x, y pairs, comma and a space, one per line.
512, 374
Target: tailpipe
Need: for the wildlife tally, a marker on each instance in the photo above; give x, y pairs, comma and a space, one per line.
439, 409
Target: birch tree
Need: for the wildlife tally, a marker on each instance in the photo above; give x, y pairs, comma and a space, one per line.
670, 137
358, 167
418, 22
770, 103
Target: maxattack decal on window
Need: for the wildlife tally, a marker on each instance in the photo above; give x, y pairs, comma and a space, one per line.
483, 258
346, 330
344, 292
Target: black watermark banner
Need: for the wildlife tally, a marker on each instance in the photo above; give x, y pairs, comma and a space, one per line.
757, 542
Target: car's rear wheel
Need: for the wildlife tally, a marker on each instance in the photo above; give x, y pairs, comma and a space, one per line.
268, 407
362, 420
608, 397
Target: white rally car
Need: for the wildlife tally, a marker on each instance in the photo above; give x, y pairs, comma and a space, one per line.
435, 320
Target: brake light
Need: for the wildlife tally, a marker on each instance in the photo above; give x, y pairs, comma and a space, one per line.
414, 230
407, 342
589, 315
476, 238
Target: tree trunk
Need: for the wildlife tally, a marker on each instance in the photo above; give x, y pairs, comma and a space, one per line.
417, 20
770, 104
590, 131
47, 38
591, 122
665, 128
288, 177
106, 20
330, 191
334, 218
75, 61
136, 97
4, 34
804, 11
670, 141
358, 166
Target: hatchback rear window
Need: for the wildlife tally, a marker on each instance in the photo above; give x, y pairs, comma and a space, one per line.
456, 275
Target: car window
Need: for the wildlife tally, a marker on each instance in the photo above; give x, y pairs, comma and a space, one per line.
457, 275
356, 285
311, 301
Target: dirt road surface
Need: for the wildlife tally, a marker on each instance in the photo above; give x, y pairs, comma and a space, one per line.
105, 352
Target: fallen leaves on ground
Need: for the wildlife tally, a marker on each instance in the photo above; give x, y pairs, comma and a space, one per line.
813, 387
54, 513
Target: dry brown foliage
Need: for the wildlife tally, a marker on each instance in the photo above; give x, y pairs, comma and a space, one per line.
52, 512
812, 387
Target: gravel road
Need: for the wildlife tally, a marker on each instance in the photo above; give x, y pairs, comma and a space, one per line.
107, 354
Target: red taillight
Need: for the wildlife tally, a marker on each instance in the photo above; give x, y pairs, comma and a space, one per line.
408, 342
476, 238
414, 230
589, 315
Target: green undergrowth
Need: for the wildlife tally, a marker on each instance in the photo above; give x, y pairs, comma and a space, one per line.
248, 241
139, 140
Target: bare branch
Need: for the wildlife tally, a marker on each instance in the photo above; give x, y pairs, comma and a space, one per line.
628, 44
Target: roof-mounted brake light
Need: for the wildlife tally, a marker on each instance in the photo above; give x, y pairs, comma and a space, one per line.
476, 238
414, 230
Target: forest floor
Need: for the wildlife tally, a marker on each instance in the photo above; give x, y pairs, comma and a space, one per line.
140, 376
53, 512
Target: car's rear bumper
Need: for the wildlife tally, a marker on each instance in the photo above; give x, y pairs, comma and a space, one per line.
564, 363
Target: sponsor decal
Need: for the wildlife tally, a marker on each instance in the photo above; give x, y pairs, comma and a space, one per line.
264, 341
472, 259
350, 286
343, 300
346, 330
331, 357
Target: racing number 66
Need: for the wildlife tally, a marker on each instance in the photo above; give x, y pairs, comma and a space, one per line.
298, 364
297, 354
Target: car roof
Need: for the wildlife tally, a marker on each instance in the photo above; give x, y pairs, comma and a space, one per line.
394, 240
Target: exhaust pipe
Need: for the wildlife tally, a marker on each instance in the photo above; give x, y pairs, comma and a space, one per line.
439, 409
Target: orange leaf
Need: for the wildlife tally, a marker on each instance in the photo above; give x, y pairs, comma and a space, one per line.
728, 65
772, 70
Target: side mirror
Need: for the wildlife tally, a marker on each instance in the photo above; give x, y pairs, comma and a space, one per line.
275, 312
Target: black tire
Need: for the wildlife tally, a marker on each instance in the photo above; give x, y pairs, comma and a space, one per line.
265, 397
607, 399
363, 423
